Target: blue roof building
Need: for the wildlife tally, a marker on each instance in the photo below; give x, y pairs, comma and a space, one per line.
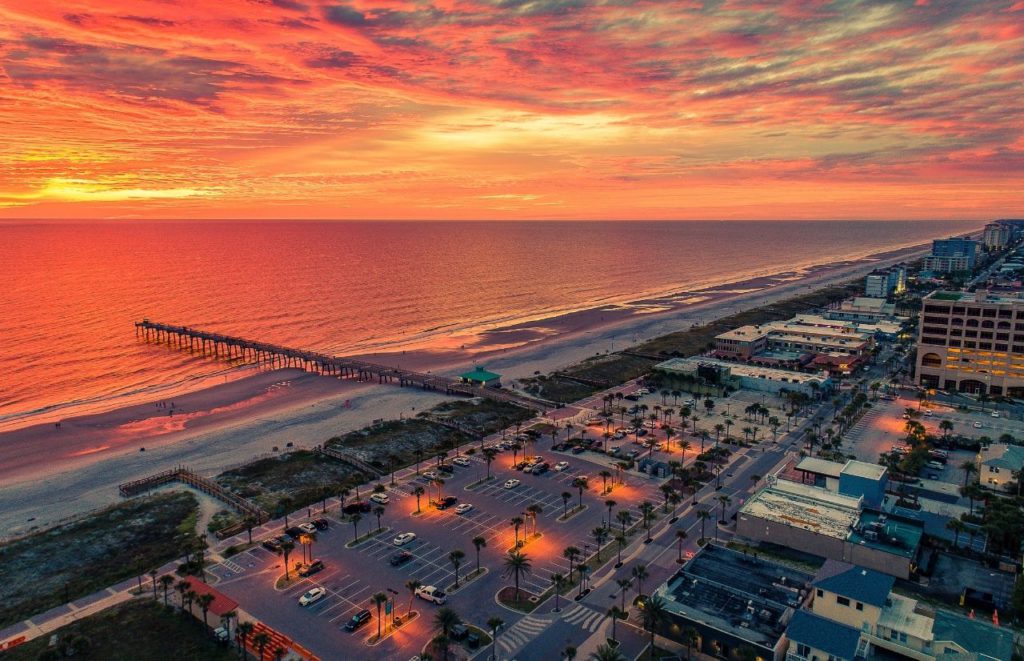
812, 636
857, 583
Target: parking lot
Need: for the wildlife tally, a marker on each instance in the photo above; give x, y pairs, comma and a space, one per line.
353, 575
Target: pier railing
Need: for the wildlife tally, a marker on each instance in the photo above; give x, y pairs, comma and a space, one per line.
228, 347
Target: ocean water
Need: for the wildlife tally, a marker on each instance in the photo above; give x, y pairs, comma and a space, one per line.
70, 291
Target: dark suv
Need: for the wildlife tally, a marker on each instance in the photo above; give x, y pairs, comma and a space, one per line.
321, 524
358, 620
447, 502
294, 532
400, 558
273, 544
312, 568
356, 507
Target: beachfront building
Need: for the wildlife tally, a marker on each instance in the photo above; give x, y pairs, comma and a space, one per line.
742, 376
1000, 465
953, 247
805, 340
857, 479
886, 282
947, 264
481, 377
972, 342
847, 598
864, 310
738, 604
831, 525
997, 236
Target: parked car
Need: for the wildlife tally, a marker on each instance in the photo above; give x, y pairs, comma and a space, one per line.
632, 398
357, 507
459, 631
977, 425
432, 594
294, 532
460, 461
561, 466
321, 524
221, 634
463, 508
404, 538
431, 475
579, 449
400, 558
448, 469
995, 414
307, 528
380, 498
447, 502
312, 568
358, 620
511, 484
542, 467
312, 596
273, 544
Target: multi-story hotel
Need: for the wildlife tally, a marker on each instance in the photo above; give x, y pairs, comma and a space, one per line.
997, 236
972, 342
830, 344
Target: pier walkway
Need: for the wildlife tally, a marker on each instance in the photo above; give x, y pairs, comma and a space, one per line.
240, 349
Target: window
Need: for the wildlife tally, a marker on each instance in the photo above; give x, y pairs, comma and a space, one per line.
986, 335
936, 341
1002, 336
842, 601
985, 345
860, 606
820, 593
1000, 347
937, 309
803, 650
971, 334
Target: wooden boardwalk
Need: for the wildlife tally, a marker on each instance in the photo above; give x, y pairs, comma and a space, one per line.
240, 349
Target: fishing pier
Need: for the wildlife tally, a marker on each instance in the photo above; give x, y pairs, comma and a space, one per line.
227, 347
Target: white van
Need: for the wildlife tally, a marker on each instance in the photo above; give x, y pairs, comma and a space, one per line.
934, 465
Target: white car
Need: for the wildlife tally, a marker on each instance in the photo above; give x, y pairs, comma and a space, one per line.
430, 475
977, 425
432, 594
463, 508
460, 461
995, 414
380, 498
561, 466
404, 538
511, 484
313, 596
307, 528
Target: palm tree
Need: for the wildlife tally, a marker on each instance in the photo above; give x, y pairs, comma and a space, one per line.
690, 636
666, 491
447, 619
957, 526
725, 501
654, 614
355, 518
262, 639
680, 538
479, 543
516, 522
412, 585
620, 541
204, 600
646, 509
532, 511
624, 517
610, 504
378, 512
557, 582
581, 484
166, 581
571, 553
456, 557
968, 467
616, 614
494, 624
600, 534
569, 653
489, 455
703, 515
379, 599
243, 631
517, 565
640, 574
418, 491
287, 546
440, 643
623, 584
604, 480
606, 652
279, 653
225, 621
719, 428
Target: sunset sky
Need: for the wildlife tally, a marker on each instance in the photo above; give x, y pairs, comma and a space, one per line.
511, 109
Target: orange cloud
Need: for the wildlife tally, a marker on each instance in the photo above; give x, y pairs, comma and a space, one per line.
511, 109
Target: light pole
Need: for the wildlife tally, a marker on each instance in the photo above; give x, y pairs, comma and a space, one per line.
390, 606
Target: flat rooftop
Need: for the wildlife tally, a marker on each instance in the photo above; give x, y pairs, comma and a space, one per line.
806, 507
820, 466
894, 534
750, 598
971, 297
863, 469
689, 365
744, 333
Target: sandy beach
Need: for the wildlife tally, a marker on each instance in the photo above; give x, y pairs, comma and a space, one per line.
48, 474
